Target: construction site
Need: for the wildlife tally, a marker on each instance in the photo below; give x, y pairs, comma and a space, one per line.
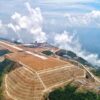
34, 75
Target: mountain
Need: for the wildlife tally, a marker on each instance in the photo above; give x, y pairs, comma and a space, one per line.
44, 71
73, 56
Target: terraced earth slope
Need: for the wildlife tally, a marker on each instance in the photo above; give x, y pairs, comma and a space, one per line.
33, 76
31, 81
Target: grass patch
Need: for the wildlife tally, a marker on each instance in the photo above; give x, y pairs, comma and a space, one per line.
47, 52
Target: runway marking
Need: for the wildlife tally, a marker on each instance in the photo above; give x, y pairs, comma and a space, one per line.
13, 46
28, 52
39, 56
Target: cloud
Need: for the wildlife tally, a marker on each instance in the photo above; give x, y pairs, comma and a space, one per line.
91, 19
67, 40
71, 42
32, 23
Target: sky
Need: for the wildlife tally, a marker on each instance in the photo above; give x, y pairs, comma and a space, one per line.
69, 24
69, 13
51, 9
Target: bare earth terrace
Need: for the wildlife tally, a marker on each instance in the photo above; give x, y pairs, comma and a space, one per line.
36, 75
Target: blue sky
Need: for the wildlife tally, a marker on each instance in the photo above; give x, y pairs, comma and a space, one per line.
57, 14
51, 9
80, 6
53, 17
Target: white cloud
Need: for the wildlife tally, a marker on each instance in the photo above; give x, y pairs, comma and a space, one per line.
15, 28
70, 41
67, 41
31, 22
91, 19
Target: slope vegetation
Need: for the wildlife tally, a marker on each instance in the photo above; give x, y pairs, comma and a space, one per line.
5, 67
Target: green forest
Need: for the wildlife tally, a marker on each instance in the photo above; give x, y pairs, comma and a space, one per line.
96, 72
69, 93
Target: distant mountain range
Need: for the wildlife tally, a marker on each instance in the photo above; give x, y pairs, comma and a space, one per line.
71, 55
